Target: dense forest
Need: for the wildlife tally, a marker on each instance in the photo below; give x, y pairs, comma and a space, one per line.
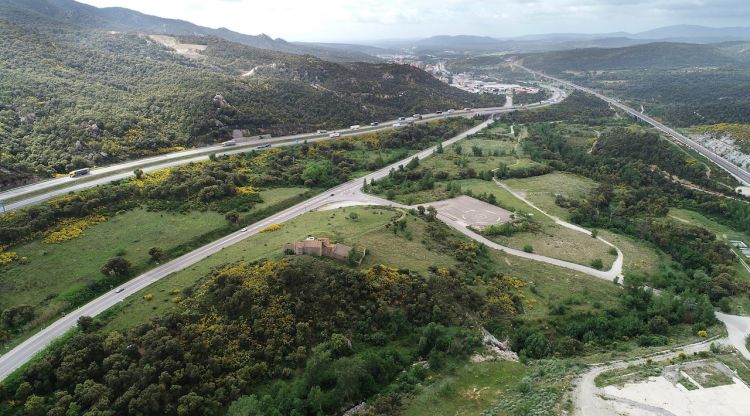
97, 97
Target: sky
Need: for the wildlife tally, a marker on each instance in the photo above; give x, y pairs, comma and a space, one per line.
362, 20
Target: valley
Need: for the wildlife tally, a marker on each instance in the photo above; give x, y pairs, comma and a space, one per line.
199, 221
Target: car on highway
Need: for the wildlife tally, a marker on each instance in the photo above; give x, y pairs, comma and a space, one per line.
355, 127
396, 124
335, 134
468, 109
119, 290
321, 131
401, 118
450, 110
438, 112
375, 123
264, 146
244, 229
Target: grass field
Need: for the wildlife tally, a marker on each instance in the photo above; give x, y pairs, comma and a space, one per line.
56, 268
548, 286
504, 198
694, 218
561, 243
551, 240
470, 390
498, 388
55, 273
638, 255
541, 190
449, 161
367, 231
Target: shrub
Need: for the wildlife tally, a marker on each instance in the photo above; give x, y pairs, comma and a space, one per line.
148, 296
116, 266
156, 253
528, 248
271, 228
724, 305
597, 264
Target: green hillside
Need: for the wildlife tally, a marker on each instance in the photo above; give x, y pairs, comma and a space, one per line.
72, 97
650, 56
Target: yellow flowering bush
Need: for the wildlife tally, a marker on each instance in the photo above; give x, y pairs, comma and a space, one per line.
163, 150
151, 178
61, 201
7, 257
72, 228
737, 131
382, 275
148, 296
502, 302
8, 216
246, 190
271, 228
703, 333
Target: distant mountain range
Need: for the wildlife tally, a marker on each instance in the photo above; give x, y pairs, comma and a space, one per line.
562, 41
656, 55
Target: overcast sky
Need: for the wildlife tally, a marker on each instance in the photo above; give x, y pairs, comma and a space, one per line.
356, 20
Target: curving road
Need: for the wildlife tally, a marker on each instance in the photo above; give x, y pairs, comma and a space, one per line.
41, 191
591, 401
344, 192
740, 174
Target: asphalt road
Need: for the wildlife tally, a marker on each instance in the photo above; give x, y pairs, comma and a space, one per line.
61, 186
734, 170
344, 192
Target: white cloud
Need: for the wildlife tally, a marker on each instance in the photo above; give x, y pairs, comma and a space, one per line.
341, 20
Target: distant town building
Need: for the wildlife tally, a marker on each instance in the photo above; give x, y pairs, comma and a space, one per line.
318, 247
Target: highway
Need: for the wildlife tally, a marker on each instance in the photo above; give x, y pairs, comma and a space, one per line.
734, 170
41, 191
344, 192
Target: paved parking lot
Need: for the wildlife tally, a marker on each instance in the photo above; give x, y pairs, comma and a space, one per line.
472, 212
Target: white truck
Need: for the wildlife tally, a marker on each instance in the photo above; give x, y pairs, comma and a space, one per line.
354, 127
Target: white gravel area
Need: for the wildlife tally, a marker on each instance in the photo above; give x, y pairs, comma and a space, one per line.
647, 397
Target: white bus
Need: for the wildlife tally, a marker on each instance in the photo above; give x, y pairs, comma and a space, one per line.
79, 172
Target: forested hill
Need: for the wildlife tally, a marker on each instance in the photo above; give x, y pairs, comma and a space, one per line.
73, 13
647, 56
72, 97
